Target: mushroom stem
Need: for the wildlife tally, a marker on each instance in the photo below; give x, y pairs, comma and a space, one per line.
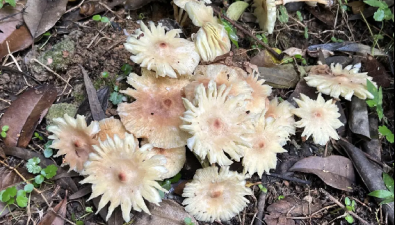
283, 2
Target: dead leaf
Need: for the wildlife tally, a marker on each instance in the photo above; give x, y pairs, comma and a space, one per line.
283, 76
116, 216
265, 59
357, 6
41, 15
169, 213
335, 171
323, 14
51, 218
376, 70
344, 47
358, 118
295, 51
13, 30
23, 114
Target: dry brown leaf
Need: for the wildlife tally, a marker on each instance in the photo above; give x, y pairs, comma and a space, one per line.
283, 76
265, 59
357, 6
335, 171
13, 30
51, 218
23, 114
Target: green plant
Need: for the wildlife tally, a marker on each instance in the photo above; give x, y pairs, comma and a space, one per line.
350, 207
104, 74
231, 32
11, 2
126, 69
38, 136
262, 188
299, 15
116, 97
261, 37
306, 33
387, 133
166, 184
4, 130
48, 152
377, 100
280, 197
383, 12
333, 39
282, 14
102, 19
33, 167
386, 195
188, 221
141, 16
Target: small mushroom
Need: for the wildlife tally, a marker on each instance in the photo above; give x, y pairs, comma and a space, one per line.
214, 195
281, 116
175, 159
260, 92
123, 175
265, 11
163, 52
338, 82
155, 113
110, 127
179, 6
320, 119
74, 139
218, 124
266, 143
232, 77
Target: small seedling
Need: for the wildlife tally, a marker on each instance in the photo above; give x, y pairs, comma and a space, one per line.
166, 184
4, 130
231, 32
102, 19
333, 39
141, 16
350, 207
126, 69
386, 195
11, 2
282, 14
387, 133
104, 74
48, 152
263, 188
299, 15
280, 197
188, 221
306, 33
38, 136
377, 100
383, 12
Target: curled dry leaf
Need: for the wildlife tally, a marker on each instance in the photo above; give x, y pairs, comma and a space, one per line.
23, 114
335, 171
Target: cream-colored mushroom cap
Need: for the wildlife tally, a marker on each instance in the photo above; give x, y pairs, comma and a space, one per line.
156, 112
123, 175
218, 124
211, 41
260, 92
320, 119
199, 13
74, 139
280, 115
232, 77
214, 195
181, 3
110, 127
265, 11
266, 143
175, 159
165, 53
340, 82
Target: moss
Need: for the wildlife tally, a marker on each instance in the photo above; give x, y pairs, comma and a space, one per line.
58, 110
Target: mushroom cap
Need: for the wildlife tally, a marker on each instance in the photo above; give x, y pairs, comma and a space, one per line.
320, 119
265, 11
181, 3
266, 143
109, 127
200, 13
230, 76
175, 159
155, 114
218, 124
340, 82
214, 195
260, 92
211, 41
123, 175
281, 116
74, 139
163, 52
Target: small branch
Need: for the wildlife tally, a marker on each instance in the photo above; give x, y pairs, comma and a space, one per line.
50, 70
333, 199
267, 47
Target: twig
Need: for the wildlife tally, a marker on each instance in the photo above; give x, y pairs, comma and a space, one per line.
289, 178
17, 65
333, 199
267, 47
261, 208
75, 7
109, 9
24, 180
50, 70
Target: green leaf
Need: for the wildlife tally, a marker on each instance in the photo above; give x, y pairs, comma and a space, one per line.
39, 179
231, 32
280, 197
333, 39
176, 178
387, 200
389, 182
105, 74
96, 18
306, 33
11, 191
1, 5
188, 221
388, 14
50, 171
387, 133
166, 185
48, 152
5, 128
116, 98
376, 3
349, 219
11, 2
299, 15
349, 208
89, 210
3, 134
263, 188
371, 103
11, 201
28, 188
32, 166
2, 196
21, 192
353, 204
126, 69
282, 14
105, 19
347, 201
381, 194
79, 222
21, 200
379, 15
235, 10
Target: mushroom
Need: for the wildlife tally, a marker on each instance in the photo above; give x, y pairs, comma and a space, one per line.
281, 116
123, 175
267, 141
165, 53
214, 195
218, 124
339, 82
179, 6
320, 119
109, 127
260, 92
175, 159
74, 139
265, 11
230, 76
155, 113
